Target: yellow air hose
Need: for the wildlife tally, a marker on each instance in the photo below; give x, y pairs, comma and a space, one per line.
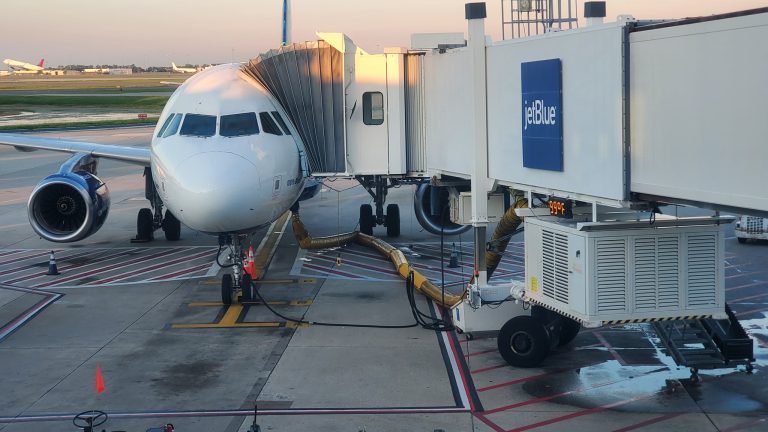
507, 225
421, 283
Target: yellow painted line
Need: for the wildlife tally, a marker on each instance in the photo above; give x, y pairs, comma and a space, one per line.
307, 281
231, 315
291, 324
220, 325
300, 303
269, 244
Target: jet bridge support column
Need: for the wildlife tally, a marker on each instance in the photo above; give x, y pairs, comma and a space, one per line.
475, 14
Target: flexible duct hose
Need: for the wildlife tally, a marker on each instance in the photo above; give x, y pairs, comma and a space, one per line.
507, 225
422, 284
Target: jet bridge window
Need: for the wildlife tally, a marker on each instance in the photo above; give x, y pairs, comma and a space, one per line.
281, 122
171, 126
373, 108
198, 125
235, 125
268, 124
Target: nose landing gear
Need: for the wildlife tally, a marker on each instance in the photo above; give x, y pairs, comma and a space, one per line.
239, 283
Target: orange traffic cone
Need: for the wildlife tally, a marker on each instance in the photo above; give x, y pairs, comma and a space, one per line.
250, 264
99, 381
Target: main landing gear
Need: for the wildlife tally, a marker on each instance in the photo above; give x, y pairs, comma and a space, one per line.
149, 220
238, 284
524, 341
377, 186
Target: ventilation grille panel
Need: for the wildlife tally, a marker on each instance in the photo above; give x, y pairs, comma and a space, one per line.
555, 266
611, 275
702, 274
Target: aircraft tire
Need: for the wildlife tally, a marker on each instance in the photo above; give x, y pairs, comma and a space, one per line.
171, 227
144, 222
393, 220
366, 219
226, 289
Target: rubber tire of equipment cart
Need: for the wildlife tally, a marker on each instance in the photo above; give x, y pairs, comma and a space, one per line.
144, 222
531, 338
226, 289
171, 227
393, 220
366, 219
567, 328
741, 240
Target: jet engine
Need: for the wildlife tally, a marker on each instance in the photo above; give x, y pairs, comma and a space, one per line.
70, 205
430, 203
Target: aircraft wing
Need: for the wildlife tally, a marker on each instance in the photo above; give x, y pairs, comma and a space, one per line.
134, 155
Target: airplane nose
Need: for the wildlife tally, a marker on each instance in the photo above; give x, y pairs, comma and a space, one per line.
212, 192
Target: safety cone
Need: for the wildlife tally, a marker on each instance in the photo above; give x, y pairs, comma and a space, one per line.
99, 380
250, 264
52, 269
454, 262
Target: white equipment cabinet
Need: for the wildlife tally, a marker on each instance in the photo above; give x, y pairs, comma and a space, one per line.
604, 273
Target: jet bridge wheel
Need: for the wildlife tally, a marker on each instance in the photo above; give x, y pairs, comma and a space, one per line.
367, 221
524, 341
144, 225
393, 220
226, 289
171, 227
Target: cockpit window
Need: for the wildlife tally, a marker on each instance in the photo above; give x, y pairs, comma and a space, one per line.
171, 126
235, 125
281, 122
268, 124
198, 125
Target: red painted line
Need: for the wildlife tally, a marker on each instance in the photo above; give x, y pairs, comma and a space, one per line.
486, 369
532, 377
582, 413
464, 379
20, 259
566, 393
488, 422
747, 312
745, 425
746, 286
480, 352
610, 347
60, 281
151, 268
649, 422
749, 297
181, 272
65, 268
332, 271
11, 252
34, 266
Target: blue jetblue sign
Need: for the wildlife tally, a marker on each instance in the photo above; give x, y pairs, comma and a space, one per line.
542, 87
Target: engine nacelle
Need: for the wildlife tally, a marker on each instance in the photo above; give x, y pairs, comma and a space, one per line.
68, 206
430, 203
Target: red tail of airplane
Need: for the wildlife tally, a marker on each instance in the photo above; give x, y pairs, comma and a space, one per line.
42, 62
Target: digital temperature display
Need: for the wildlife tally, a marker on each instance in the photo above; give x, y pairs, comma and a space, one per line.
561, 207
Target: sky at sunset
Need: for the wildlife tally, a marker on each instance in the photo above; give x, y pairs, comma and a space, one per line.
151, 32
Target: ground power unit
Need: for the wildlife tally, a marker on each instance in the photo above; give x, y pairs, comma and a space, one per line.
632, 271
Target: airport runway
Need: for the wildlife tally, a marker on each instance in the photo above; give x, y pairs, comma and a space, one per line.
148, 315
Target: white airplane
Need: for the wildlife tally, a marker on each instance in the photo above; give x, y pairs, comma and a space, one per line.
24, 67
185, 69
223, 160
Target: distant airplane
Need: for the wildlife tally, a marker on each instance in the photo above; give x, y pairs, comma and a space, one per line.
24, 67
185, 69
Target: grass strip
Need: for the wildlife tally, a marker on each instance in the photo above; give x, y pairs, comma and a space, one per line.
80, 125
86, 101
